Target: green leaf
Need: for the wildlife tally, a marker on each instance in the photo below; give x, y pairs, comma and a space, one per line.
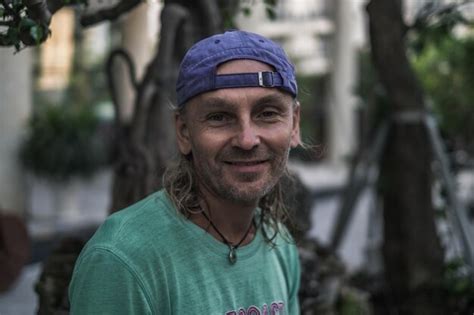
18, 5
228, 23
13, 34
27, 23
270, 2
2, 11
63, 142
270, 13
246, 11
37, 33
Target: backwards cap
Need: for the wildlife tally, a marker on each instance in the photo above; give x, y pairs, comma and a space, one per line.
198, 70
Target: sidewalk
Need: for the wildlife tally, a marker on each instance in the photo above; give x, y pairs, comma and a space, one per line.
93, 200
21, 299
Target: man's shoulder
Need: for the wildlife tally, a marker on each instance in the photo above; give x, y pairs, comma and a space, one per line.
137, 225
150, 207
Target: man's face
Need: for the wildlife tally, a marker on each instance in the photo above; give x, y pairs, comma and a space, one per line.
239, 138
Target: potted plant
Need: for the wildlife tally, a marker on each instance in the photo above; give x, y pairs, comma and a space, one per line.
63, 144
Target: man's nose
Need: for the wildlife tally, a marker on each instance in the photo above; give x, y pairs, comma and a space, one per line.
247, 136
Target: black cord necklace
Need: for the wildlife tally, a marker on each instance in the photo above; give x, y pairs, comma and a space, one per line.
232, 248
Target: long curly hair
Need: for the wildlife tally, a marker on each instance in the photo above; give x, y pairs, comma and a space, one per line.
179, 181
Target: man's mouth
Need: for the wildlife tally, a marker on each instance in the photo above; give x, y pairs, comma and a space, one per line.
245, 163
247, 167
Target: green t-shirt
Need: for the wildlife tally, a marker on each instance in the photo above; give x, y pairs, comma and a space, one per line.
148, 259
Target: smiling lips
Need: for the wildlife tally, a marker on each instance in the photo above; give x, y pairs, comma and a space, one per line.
245, 163
247, 166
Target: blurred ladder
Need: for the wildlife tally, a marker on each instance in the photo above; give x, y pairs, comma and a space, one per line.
365, 171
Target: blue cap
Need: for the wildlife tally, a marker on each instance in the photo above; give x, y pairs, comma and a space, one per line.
198, 70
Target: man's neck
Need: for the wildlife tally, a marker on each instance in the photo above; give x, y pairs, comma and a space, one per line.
231, 219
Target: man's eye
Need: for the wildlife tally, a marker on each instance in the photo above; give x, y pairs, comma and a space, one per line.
268, 114
217, 117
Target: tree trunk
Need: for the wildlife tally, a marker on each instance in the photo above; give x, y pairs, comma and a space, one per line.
412, 251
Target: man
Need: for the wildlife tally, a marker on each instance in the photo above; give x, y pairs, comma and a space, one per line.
211, 242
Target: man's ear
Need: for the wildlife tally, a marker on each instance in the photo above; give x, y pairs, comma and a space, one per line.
295, 132
182, 134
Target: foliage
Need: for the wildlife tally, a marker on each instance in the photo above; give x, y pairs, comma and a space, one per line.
26, 22
67, 139
441, 46
434, 22
245, 7
62, 142
20, 27
458, 287
353, 301
443, 62
457, 290
270, 8
445, 69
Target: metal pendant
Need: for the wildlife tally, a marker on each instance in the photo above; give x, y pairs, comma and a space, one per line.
232, 255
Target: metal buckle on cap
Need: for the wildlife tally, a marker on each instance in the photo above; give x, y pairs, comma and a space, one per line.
265, 79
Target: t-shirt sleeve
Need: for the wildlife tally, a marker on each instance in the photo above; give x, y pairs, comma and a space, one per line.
293, 303
103, 283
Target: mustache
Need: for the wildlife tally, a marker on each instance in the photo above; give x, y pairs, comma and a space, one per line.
244, 155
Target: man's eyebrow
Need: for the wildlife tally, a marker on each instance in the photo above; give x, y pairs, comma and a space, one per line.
217, 103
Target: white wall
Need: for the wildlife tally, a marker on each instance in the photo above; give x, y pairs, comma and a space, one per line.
15, 105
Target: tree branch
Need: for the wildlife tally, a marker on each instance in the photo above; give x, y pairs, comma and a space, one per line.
158, 71
114, 55
39, 11
212, 16
109, 14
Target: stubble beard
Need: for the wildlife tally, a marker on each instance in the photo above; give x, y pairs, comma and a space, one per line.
237, 190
